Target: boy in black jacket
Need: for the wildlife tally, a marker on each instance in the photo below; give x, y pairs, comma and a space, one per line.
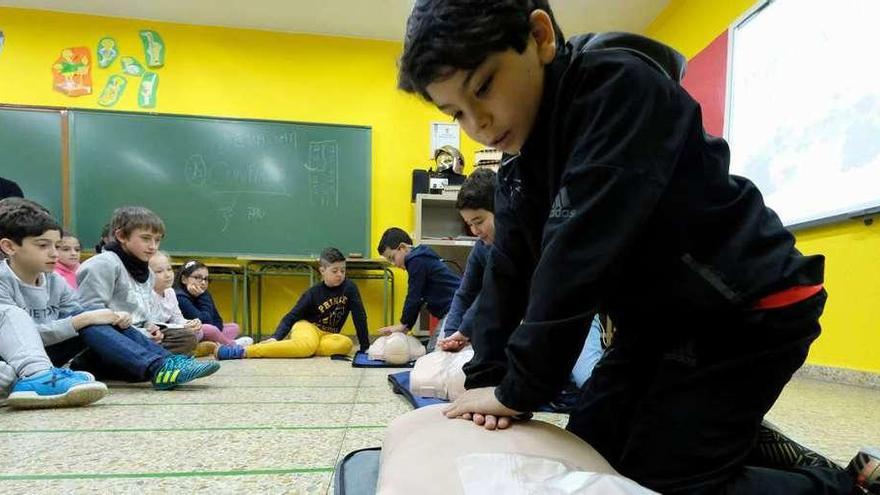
618, 201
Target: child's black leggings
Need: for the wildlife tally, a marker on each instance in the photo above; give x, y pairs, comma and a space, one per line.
676, 406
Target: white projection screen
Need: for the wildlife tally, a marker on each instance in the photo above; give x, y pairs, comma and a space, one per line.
803, 107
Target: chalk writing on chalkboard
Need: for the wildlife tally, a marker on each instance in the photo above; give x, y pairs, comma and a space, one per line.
255, 213
260, 177
226, 214
196, 171
323, 167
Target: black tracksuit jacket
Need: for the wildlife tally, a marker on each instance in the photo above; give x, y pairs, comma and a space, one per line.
618, 202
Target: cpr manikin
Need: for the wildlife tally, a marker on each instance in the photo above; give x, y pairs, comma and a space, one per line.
396, 348
439, 374
426, 453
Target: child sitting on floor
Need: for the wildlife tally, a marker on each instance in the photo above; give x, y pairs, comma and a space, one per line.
68, 258
120, 278
168, 316
29, 380
316, 319
98, 340
191, 287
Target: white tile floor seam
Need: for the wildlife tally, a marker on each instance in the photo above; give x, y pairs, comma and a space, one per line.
339, 452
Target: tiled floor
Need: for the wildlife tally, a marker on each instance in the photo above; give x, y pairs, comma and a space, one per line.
279, 426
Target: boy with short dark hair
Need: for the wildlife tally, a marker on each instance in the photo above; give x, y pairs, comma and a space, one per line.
29, 235
316, 319
476, 205
617, 199
430, 282
28, 378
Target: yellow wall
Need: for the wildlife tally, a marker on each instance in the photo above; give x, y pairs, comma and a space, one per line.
851, 324
253, 74
248, 74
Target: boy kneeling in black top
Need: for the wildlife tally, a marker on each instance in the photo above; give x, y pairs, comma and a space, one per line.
617, 200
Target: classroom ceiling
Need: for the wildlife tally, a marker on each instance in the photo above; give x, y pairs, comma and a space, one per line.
376, 19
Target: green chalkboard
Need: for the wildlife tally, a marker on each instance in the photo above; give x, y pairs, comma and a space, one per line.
225, 187
30, 154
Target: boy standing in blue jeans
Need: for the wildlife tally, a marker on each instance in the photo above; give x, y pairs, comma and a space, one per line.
617, 200
430, 282
29, 237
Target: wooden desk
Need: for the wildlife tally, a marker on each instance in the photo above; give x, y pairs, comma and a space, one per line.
255, 268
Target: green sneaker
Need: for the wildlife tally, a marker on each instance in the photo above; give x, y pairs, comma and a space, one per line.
178, 369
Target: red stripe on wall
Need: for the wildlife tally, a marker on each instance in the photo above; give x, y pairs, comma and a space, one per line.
706, 81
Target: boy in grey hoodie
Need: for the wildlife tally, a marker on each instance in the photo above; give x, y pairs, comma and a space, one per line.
120, 277
28, 236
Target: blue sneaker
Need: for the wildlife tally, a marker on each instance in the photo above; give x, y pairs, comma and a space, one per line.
178, 369
231, 351
55, 387
85, 375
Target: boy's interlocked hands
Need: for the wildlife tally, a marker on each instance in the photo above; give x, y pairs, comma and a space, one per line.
482, 407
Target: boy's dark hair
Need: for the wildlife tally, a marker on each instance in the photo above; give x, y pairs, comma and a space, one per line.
9, 189
478, 191
129, 218
186, 270
447, 35
105, 232
392, 238
331, 255
20, 218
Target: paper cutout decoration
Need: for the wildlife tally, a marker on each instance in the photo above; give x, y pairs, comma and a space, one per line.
131, 66
107, 52
71, 73
147, 93
154, 48
112, 91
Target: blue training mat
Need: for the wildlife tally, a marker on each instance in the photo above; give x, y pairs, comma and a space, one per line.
362, 361
400, 384
358, 472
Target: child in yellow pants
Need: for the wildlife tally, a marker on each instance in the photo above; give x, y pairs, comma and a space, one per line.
305, 340
316, 319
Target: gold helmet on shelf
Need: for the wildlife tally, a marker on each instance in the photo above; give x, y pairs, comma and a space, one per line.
448, 157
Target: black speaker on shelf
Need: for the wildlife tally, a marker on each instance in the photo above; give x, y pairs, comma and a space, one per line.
420, 182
